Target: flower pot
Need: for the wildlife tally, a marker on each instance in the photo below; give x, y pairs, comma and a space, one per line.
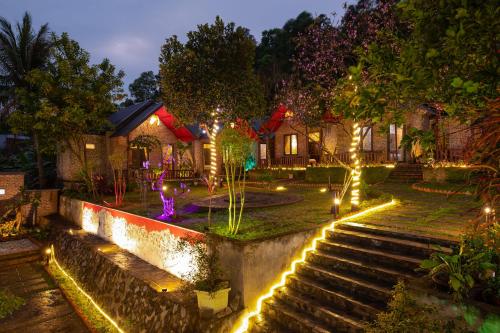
215, 301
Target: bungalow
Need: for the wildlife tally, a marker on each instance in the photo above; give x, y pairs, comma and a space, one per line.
184, 150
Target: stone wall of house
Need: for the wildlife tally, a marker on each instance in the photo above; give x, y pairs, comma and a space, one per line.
458, 134
10, 182
161, 132
198, 156
69, 165
284, 129
133, 303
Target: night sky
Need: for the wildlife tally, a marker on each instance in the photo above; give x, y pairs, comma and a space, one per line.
131, 32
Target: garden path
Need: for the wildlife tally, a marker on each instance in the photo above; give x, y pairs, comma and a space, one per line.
46, 309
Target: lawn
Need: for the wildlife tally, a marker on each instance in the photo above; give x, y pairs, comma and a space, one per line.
312, 211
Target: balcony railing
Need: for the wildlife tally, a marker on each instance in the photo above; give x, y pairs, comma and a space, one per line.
449, 155
345, 157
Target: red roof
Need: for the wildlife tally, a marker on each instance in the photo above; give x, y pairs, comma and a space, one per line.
168, 119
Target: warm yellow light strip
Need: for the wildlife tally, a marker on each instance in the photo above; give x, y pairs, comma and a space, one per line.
356, 171
53, 258
213, 150
243, 327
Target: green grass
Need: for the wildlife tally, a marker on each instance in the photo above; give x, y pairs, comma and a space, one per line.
452, 187
98, 322
257, 223
9, 303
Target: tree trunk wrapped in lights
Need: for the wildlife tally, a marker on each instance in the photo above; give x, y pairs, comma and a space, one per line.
236, 148
356, 170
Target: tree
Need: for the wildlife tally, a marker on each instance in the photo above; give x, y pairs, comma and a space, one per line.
20, 52
236, 148
274, 54
68, 99
212, 71
145, 87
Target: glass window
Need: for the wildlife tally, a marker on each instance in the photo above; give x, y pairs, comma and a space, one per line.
291, 144
206, 154
366, 136
314, 137
263, 151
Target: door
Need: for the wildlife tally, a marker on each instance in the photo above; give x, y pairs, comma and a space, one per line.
395, 152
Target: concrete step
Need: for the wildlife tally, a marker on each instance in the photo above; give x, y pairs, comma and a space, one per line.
259, 324
15, 259
369, 256
360, 289
333, 298
380, 275
440, 244
330, 318
289, 319
381, 242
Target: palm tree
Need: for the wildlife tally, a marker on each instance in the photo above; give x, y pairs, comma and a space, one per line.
21, 50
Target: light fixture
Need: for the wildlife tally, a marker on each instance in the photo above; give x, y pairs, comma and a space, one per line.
245, 320
90, 146
48, 251
487, 210
164, 187
323, 190
280, 188
154, 119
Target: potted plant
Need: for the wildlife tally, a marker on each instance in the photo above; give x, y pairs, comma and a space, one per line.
212, 291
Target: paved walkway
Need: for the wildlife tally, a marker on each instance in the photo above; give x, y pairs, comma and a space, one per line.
431, 214
46, 310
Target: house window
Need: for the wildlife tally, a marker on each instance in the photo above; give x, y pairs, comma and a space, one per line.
366, 136
314, 137
206, 155
290, 144
2, 191
263, 151
89, 146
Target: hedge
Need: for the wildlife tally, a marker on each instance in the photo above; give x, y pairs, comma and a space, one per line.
370, 175
270, 174
449, 174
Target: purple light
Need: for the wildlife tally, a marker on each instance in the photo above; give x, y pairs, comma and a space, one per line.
168, 207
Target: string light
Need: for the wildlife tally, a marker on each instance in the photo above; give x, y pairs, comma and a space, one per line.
243, 327
280, 188
54, 260
356, 172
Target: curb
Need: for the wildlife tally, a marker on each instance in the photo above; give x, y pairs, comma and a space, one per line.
416, 187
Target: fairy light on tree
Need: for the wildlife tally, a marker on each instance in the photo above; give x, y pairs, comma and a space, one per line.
356, 170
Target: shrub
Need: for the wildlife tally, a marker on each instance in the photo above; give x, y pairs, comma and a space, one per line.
371, 175
406, 315
9, 303
451, 175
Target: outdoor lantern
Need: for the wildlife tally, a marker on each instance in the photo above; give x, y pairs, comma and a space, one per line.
335, 205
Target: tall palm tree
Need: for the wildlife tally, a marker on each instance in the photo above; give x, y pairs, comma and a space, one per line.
21, 50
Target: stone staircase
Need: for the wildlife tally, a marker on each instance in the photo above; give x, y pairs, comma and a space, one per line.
406, 173
345, 281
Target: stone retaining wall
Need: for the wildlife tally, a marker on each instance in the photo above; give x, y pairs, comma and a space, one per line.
252, 267
130, 301
153, 241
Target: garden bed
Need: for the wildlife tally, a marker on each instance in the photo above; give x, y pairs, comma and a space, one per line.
444, 188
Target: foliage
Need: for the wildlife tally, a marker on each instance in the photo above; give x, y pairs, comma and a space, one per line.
325, 52
371, 175
9, 303
277, 48
19, 54
236, 147
474, 263
145, 87
117, 162
212, 71
407, 315
145, 142
11, 218
68, 99
420, 143
206, 274
444, 53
